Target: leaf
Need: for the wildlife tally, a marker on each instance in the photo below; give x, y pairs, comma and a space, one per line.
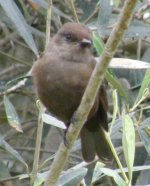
99, 46
12, 115
116, 3
99, 170
145, 84
104, 14
135, 168
4, 173
41, 177
116, 85
53, 121
72, 177
4, 145
137, 29
119, 181
115, 109
98, 43
125, 63
144, 132
97, 174
128, 141
17, 18
56, 11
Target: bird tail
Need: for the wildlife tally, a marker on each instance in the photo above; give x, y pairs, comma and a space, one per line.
94, 143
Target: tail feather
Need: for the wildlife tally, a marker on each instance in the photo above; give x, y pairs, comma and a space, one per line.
94, 143
87, 145
101, 145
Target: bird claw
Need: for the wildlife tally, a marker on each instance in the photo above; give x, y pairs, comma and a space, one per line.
73, 118
65, 139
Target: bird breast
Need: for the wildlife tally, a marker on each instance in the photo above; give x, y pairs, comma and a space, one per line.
60, 86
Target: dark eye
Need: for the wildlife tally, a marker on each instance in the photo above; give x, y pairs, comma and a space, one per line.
68, 36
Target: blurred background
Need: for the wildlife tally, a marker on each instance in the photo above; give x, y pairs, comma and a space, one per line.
22, 39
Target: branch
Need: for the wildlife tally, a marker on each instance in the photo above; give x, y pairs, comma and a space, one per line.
74, 11
90, 92
48, 22
41, 108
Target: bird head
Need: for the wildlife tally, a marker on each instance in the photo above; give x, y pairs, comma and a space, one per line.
74, 40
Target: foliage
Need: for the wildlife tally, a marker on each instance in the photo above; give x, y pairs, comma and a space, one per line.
22, 31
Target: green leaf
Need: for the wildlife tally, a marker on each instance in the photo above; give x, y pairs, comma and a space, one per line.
116, 3
55, 10
17, 18
116, 85
99, 170
104, 15
99, 46
72, 177
128, 143
4, 173
115, 109
12, 115
135, 168
98, 43
41, 177
97, 174
4, 145
119, 181
144, 132
145, 85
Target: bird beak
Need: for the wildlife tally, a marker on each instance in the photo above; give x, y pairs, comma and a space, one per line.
85, 43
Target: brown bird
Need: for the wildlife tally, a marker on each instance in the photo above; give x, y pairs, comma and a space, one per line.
61, 76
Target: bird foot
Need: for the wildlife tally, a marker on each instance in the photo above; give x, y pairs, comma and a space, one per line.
65, 139
74, 118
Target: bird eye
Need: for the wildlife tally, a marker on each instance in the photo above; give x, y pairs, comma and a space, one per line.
68, 37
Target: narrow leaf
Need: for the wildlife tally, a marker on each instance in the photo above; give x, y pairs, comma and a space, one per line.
99, 46
125, 63
4, 145
116, 85
12, 115
144, 132
97, 174
4, 170
145, 84
41, 177
72, 177
100, 170
115, 109
119, 181
53, 121
55, 10
128, 143
17, 18
104, 15
98, 43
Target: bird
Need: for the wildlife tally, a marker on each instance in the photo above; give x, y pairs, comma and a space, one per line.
60, 77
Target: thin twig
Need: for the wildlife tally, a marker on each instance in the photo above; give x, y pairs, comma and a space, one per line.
15, 59
90, 92
18, 85
48, 23
139, 47
37, 146
116, 157
74, 11
40, 122
92, 14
